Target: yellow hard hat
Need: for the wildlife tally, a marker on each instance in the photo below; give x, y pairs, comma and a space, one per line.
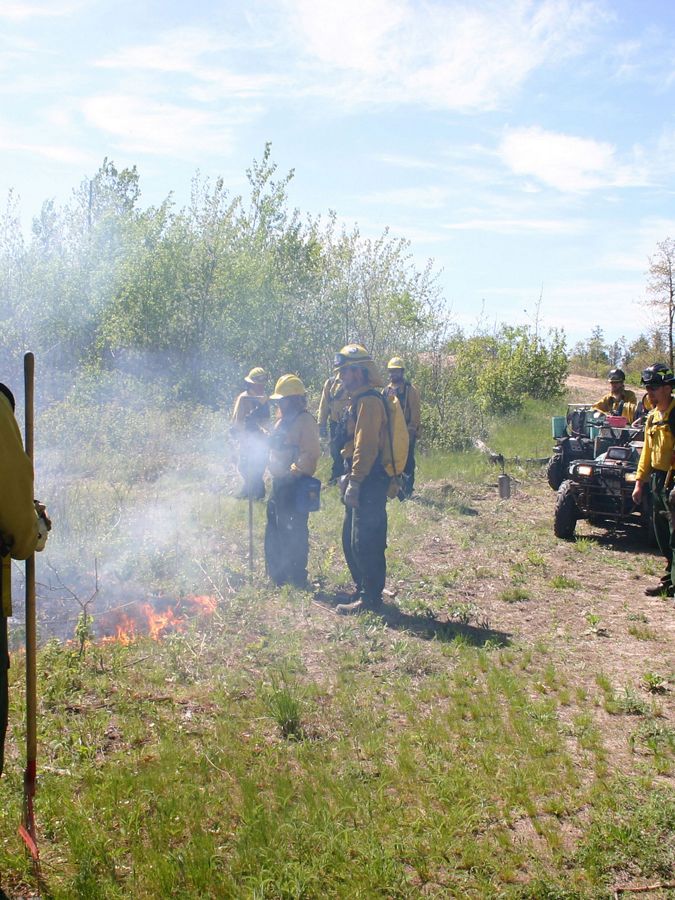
396, 363
351, 355
288, 386
256, 376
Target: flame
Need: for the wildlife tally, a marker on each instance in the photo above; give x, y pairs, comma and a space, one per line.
125, 631
160, 623
156, 623
205, 603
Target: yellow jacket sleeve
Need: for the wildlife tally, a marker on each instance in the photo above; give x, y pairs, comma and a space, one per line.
240, 410
309, 448
645, 464
414, 406
604, 404
18, 521
324, 403
369, 429
609, 402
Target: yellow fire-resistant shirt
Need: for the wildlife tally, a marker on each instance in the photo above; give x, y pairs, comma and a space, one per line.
333, 401
368, 433
610, 405
409, 398
244, 404
18, 521
657, 452
294, 446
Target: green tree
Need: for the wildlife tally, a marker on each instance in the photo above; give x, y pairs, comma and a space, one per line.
661, 289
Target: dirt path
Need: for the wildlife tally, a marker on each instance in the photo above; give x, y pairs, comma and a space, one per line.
583, 601
584, 389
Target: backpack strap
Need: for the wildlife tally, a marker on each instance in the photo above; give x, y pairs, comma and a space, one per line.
671, 421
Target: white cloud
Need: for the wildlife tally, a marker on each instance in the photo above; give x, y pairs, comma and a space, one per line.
63, 153
519, 225
430, 197
196, 54
406, 162
18, 12
447, 54
146, 126
450, 55
566, 162
176, 50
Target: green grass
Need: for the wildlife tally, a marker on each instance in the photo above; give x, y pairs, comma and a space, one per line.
223, 763
526, 434
274, 750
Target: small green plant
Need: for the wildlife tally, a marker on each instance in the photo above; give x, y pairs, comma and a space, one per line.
594, 626
637, 617
535, 558
604, 683
84, 631
628, 703
562, 582
514, 595
462, 612
584, 545
654, 683
655, 736
643, 633
284, 705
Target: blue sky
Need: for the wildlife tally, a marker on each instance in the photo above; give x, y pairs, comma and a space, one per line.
527, 147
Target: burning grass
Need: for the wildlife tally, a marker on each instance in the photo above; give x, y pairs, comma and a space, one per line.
155, 620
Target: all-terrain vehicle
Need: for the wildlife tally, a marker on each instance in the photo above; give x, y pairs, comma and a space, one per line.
573, 441
600, 489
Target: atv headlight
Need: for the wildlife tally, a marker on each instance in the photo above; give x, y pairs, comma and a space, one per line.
584, 470
630, 476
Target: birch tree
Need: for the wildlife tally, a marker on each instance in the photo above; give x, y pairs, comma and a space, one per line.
661, 289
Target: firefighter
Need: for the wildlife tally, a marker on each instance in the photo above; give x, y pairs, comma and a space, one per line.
294, 453
364, 432
619, 401
409, 398
249, 419
331, 406
23, 529
656, 465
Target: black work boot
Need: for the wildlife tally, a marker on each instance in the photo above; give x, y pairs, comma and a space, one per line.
351, 609
374, 604
664, 587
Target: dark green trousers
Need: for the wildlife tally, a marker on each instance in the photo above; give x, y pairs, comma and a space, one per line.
4, 687
663, 527
409, 470
364, 538
286, 535
338, 466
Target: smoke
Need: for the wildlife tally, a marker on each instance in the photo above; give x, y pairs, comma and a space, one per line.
141, 490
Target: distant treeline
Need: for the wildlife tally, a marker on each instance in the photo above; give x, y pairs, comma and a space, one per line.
189, 299
595, 356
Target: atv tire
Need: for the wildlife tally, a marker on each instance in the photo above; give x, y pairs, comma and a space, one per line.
566, 512
555, 471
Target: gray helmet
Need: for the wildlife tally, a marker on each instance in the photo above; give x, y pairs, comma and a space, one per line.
656, 375
617, 375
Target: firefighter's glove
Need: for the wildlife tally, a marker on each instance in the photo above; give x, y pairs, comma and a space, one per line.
323, 431
351, 497
343, 481
44, 524
671, 499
